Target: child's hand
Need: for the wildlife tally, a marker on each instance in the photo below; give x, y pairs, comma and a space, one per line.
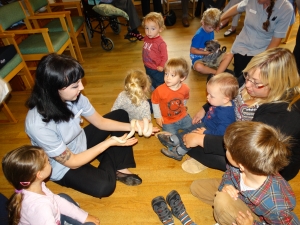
229, 189
199, 130
160, 69
159, 121
243, 219
193, 139
92, 219
199, 115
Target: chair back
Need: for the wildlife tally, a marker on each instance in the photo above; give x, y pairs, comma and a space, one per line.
34, 5
10, 14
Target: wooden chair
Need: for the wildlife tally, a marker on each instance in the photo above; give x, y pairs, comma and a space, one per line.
76, 24
166, 6
37, 42
288, 33
10, 70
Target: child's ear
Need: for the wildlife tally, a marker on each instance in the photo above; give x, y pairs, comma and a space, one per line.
226, 100
182, 79
241, 167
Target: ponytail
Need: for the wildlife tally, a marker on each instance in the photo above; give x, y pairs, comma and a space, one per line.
269, 11
14, 208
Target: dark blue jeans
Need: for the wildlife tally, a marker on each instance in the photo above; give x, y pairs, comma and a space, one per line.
64, 218
157, 78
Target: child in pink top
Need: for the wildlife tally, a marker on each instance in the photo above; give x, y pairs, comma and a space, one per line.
26, 168
155, 53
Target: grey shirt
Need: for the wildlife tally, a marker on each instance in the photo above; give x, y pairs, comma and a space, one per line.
253, 39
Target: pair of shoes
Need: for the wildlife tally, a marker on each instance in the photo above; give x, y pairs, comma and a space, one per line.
131, 35
173, 154
192, 166
166, 140
173, 199
185, 22
223, 25
229, 32
129, 179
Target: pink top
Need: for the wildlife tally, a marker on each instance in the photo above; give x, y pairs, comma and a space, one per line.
45, 209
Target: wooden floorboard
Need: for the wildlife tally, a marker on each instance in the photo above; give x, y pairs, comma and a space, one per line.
104, 75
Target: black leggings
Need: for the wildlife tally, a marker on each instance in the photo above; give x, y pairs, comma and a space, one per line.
101, 181
240, 63
297, 50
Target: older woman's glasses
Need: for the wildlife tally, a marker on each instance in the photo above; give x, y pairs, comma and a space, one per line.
257, 85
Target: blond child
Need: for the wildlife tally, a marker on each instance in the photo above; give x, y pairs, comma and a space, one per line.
210, 21
155, 52
169, 99
26, 168
221, 90
133, 99
251, 190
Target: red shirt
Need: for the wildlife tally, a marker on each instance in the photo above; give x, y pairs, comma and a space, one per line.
154, 52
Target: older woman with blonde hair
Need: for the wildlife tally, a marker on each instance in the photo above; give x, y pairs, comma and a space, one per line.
270, 95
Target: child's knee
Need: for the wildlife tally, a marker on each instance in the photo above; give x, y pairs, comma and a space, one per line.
198, 66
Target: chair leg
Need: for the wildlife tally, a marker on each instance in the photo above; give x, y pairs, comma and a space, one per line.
27, 78
8, 114
72, 51
86, 36
77, 49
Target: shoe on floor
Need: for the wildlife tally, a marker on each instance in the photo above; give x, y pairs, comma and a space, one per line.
166, 140
172, 153
192, 166
160, 207
129, 179
176, 204
185, 22
229, 32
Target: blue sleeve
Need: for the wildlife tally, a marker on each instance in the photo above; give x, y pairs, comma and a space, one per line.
201, 37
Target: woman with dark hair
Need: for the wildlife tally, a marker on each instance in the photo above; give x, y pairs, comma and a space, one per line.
266, 23
271, 94
53, 123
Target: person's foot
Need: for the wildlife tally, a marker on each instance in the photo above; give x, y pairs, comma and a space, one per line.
223, 25
229, 32
160, 207
173, 154
185, 22
166, 140
192, 166
128, 179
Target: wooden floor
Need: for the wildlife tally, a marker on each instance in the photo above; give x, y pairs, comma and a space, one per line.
103, 81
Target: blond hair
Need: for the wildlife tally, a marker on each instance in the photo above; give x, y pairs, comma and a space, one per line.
137, 86
179, 66
211, 17
228, 84
260, 148
156, 18
278, 70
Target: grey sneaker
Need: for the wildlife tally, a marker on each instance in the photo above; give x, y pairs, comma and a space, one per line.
166, 140
172, 153
160, 207
176, 204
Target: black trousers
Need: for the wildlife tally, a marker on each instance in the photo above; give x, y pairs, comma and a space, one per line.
157, 7
297, 50
240, 63
101, 181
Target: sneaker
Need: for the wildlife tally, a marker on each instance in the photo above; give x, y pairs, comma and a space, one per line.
160, 207
172, 153
176, 204
166, 140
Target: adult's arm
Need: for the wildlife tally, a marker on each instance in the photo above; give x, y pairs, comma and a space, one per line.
229, 13
275, 42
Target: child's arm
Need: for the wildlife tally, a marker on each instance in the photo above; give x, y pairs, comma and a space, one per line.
157, 114
164, 56
199, 51
199, 115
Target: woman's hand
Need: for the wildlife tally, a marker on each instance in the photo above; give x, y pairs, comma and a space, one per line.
244, 219
229, 189
193, 139
200, 130
114, 141
92, 219
159, 121
199, 115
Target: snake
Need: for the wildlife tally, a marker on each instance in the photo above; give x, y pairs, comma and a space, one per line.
147, 131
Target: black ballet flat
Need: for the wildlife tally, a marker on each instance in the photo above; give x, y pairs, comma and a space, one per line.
129, 179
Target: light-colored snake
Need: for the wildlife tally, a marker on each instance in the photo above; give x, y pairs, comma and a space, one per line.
147, 131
